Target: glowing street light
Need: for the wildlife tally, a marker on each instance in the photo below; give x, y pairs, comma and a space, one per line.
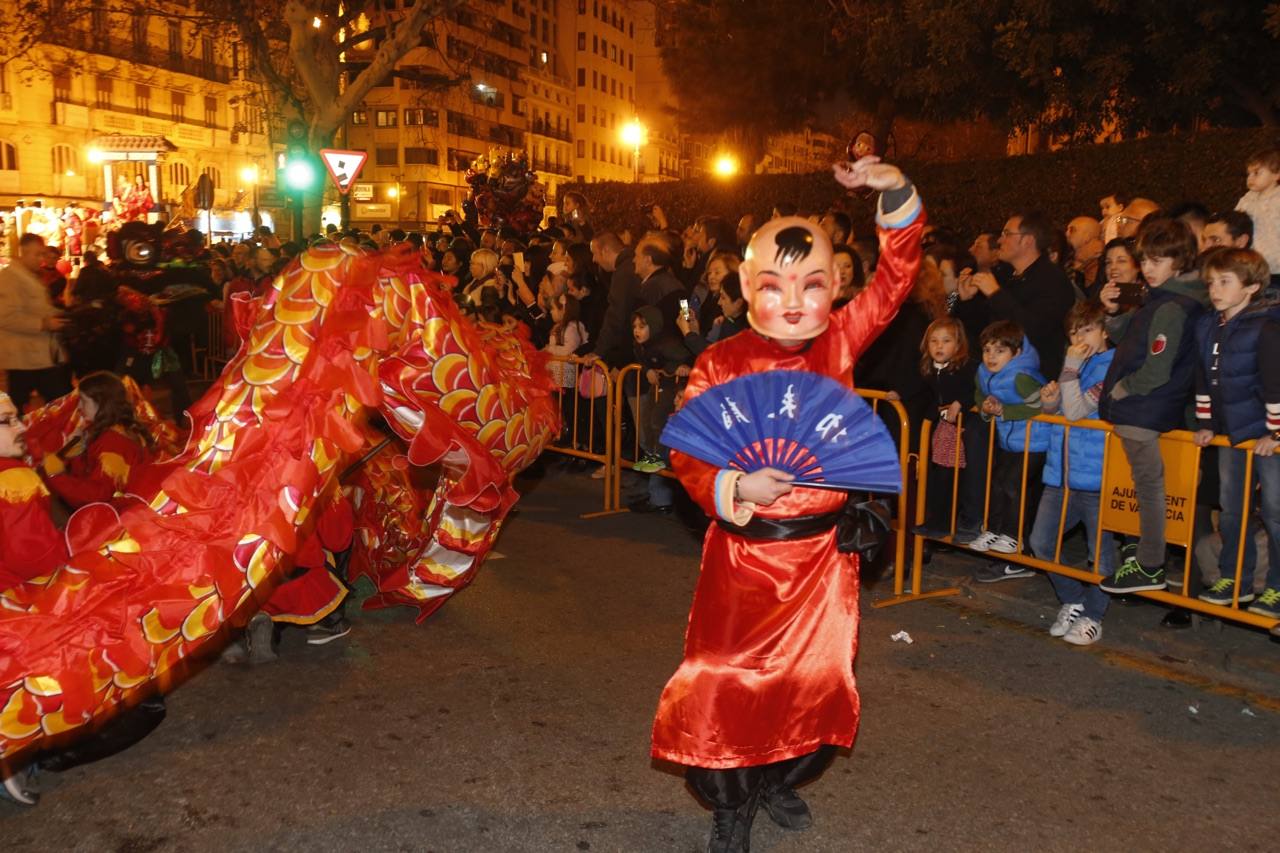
725, 166
96, 155
393, 192
634, 134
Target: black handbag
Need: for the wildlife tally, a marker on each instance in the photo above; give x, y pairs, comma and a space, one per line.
863, 528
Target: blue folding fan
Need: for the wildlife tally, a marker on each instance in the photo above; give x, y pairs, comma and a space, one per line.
808, 425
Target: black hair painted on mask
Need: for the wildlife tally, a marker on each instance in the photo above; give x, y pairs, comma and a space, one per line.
794, 244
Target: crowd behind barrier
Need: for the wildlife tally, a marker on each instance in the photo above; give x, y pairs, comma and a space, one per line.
624, 312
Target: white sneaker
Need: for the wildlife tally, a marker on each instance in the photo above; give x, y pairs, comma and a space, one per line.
1005, 544
983, 542
1084, 632
1067, 614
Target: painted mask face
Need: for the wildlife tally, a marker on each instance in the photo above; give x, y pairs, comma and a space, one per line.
788, 280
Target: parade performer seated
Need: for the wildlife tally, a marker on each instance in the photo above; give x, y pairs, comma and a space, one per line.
97, 463
30, 545
766, 693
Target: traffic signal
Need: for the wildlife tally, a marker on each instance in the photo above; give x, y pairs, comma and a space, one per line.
301, 172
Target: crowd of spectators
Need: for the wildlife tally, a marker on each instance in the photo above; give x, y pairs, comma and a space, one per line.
1106, 315
1146, 315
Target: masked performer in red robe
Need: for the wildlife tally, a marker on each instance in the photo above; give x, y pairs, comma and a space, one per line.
766, 691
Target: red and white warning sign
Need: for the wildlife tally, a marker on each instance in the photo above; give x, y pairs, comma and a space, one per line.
344, 166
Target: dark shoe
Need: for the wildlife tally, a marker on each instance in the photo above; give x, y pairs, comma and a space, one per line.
1268, 604
930, 532
731, 828
332, 627
1223, 591
260, 638
644, 505
1176, 620
787, 809
996, 572
1132, 576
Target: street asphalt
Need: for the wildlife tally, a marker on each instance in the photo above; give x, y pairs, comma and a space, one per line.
517, 719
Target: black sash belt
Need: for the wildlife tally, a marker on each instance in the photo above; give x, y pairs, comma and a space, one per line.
781, 529
860, 527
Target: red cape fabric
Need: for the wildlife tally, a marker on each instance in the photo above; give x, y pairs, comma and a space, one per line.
768, 665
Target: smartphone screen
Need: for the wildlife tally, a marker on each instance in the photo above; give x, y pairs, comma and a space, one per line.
1130, 294
684, 306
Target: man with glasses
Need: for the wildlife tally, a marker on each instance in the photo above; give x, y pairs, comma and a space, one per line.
1036, 294
30, 546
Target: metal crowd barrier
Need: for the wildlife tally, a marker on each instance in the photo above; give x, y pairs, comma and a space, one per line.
1179, 530
620, 460
582, 443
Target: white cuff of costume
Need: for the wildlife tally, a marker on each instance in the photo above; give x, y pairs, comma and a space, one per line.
733, 511
898, 208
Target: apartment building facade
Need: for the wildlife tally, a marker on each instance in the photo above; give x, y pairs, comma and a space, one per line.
112, 97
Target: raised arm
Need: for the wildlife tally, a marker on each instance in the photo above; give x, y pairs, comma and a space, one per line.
900, 220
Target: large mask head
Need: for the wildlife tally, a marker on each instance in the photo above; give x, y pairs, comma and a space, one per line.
788, 280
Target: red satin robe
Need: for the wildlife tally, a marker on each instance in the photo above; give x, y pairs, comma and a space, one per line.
30, 546
767, 673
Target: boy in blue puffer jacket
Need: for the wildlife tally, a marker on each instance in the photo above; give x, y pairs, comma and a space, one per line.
1009, 383
1075, 395
1238, 394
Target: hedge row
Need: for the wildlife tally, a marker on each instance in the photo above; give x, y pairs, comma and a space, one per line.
973, 195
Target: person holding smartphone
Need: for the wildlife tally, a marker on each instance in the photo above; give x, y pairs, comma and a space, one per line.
1123, 272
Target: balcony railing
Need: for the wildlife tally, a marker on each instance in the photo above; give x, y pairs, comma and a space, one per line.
143, 54
541, 128
551, 167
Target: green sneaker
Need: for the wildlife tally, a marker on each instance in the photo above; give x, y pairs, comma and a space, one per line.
1222, 592
1132, 577
646, 464
1268, 604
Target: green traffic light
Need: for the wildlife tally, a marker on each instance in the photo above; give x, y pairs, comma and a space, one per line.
300, 175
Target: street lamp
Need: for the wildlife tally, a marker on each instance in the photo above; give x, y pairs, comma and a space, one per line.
249, 175
634, 134
725, 166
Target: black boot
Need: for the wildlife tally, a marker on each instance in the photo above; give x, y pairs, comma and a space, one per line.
731, 828
786, 808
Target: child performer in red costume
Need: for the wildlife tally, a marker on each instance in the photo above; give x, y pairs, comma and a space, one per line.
96, 465
766, 692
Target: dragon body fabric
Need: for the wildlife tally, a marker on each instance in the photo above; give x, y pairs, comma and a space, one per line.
342, 334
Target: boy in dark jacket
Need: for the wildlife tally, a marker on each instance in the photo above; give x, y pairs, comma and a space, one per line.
1236, 396
1148, 385
663, 360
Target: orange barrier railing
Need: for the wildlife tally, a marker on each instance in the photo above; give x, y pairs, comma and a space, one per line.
630, 375
593, 440
1179, 530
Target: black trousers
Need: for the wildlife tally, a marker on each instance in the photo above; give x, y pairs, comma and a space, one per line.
729, 789
1006, 485
50, 382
